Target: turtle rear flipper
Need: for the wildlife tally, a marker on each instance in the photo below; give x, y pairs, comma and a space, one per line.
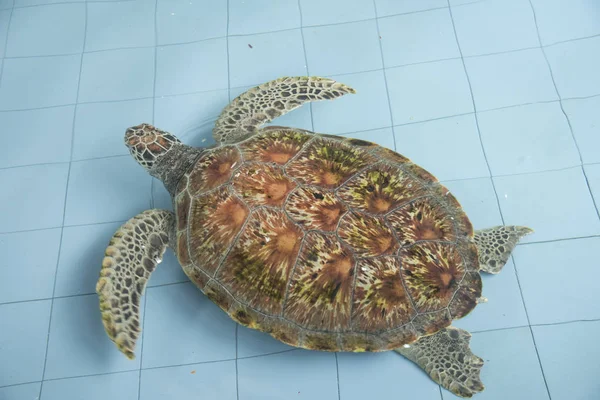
132, 254
495, 245
448, 359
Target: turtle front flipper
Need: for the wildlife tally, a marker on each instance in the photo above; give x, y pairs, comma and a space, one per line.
246, 113
448, 359
495, 245
132, 254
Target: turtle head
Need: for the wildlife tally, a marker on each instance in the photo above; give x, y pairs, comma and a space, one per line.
148, 144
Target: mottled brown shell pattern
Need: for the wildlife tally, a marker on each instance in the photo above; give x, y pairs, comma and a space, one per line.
326, 243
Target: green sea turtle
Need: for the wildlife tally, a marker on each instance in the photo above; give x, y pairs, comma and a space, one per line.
325, 242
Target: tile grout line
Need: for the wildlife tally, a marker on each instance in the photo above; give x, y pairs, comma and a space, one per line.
237, 374
154, 368
58, 227
339, 134
500, 329
150, 368
277, 31
587, 182
336, 75
343, 134
496, 195
350, 73
559, 240
529, 321
70, 377
219, 361
73, 2
576, 321
310, 105
468, 4
495, 53
434, 119
62, 229
187, 281
274, 353
312, 123
142, 348
337, 370
568, 40
288, 30
512, 255
12, 9
471, 92
152, 179
228, 57
151, 193
84, 294
491, 177
532, 103
387, 90
577, 166
101, 157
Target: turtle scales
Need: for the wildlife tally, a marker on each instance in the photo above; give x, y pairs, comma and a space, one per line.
325, 242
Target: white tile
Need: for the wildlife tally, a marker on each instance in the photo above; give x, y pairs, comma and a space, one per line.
418, 37
39, 82
546, 269
449, 148
530, 138
427, 91
106, 190
34, 31
36, 199
185, 68
182, 21
195, 327
560, 20
556, 204
113, 25
24, 343
494, 26
575, 67
117, 75
510, 79
569, 354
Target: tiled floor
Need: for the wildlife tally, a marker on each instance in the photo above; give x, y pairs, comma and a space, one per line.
499, 98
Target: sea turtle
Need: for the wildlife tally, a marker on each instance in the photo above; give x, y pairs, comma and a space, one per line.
325, 242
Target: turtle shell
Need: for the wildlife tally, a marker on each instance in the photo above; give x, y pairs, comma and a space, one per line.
325, 242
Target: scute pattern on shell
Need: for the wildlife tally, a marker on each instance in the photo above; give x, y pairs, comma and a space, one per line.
326, 243
259, 265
